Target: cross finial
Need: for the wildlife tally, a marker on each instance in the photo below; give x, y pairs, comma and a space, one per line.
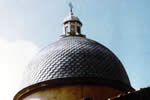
71, 7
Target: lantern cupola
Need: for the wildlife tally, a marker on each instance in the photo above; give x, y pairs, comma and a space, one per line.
72, 24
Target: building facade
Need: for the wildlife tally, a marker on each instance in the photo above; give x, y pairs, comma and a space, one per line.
142, 94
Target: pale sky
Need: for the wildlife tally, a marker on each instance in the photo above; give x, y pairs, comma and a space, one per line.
26, 26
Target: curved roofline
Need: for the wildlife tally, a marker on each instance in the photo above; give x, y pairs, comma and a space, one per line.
72, 21
72, 81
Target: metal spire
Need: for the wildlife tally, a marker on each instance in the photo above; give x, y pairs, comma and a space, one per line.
71, 7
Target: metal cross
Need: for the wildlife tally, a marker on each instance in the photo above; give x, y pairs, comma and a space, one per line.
71, 6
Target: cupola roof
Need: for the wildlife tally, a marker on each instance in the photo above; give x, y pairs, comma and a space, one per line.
71, 16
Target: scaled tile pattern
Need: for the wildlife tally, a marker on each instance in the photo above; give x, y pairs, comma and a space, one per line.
74, 57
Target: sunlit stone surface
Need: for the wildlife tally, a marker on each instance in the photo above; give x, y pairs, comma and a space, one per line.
76, 92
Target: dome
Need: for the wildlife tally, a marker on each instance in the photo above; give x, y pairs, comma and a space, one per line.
75, 57
71, 18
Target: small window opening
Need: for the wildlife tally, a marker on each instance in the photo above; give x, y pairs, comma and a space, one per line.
78, 29
66, 29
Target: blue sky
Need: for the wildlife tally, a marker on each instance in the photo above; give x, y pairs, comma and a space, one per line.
121, 25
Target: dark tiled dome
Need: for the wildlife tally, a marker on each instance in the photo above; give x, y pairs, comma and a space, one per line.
74, 60
75, 57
